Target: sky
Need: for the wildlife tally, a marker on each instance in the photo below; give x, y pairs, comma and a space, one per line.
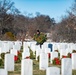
53, 8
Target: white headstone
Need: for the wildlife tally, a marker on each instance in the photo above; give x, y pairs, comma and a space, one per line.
33, 47
28, 43
25, 45
66, 66
9, 62
6, 47
10, 43
43, 63
25, 49
63, 52
70, 47
53, 71
68, 50
73, 46
74, 61
3, 72
47, 50
53, 55
37, 47
38, 51
25, 54
63, 46
0, 50
14, 52
27, 67
0, 43
55, 46
45, 45
17, 47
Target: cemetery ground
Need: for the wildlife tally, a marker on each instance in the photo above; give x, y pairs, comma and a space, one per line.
36, 70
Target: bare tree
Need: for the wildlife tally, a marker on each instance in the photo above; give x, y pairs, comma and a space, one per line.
7, 12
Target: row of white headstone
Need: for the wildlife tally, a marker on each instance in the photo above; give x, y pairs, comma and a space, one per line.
12, 47
8, 46
40, 52
43, 63
63, 48
66, 68
8, 64
67, 65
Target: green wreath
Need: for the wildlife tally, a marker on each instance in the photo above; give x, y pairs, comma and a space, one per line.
40, 39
